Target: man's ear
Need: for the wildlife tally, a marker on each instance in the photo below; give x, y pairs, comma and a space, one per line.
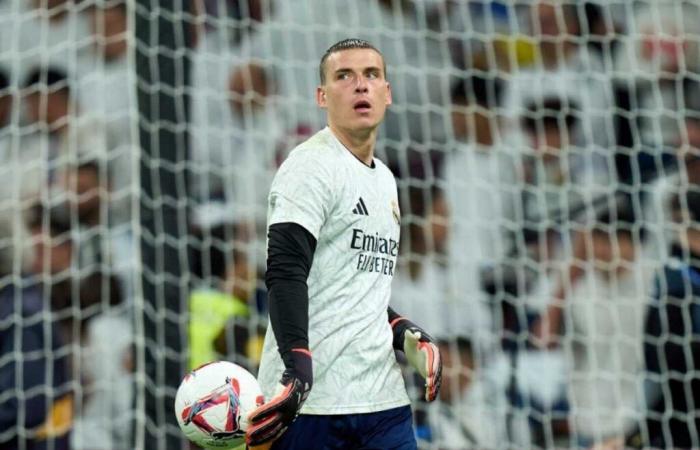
321, 96
388, 97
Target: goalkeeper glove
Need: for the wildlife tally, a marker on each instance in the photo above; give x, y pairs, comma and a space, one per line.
269, 421
422, 354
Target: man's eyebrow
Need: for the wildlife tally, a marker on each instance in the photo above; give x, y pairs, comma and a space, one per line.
365, 69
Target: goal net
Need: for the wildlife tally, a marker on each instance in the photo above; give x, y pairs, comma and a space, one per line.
546, 156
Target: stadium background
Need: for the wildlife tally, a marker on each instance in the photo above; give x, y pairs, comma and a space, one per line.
546, 156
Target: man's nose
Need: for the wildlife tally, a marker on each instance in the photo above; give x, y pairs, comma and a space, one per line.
361, 85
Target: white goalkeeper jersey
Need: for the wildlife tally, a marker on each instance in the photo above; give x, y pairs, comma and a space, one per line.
352, 211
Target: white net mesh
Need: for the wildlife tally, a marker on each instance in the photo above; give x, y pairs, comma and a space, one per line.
546, 157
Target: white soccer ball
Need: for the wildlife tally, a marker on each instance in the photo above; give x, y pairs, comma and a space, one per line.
213, 402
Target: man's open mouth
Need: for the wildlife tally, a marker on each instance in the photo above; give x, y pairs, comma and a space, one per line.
362, 106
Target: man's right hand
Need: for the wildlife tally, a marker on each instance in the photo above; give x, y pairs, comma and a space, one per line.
269, 421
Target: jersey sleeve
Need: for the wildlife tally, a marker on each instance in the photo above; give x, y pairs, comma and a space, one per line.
301, 193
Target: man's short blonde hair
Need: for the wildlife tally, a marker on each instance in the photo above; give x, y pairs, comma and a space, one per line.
346, 44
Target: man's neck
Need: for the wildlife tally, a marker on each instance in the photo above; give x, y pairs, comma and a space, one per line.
361, 144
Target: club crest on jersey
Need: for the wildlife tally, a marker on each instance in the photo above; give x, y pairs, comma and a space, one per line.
395, 212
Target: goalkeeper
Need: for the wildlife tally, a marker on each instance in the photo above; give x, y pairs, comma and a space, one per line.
333, 238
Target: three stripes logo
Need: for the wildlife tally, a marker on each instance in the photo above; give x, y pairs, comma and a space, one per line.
360, 208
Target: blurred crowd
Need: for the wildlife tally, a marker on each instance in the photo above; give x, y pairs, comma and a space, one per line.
546, 153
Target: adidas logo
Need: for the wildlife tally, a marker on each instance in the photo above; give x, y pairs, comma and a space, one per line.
360, 208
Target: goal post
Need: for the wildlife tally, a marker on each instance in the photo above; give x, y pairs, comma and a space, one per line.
162, 44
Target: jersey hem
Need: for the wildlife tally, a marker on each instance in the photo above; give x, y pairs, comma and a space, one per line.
354, 409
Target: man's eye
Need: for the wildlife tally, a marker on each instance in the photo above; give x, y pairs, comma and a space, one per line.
373, 75
343, 76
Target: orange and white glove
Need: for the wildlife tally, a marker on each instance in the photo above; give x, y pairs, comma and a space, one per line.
271, 420
421, 352
424, 356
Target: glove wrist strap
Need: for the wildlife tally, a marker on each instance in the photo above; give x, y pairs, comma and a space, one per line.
399, 325
297, 362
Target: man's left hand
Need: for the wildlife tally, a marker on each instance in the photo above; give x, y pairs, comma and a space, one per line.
423, 354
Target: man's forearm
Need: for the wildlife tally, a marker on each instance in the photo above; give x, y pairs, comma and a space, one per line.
290, 253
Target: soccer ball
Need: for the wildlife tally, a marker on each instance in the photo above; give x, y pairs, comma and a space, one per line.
213, 402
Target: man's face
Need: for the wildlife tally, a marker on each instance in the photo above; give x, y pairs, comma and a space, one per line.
552, 20
248, 89
5, 109
355, 93
549, 141
49, 108
85, 184
111, 25
52, 255
687, 231
457, 372
473, 122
